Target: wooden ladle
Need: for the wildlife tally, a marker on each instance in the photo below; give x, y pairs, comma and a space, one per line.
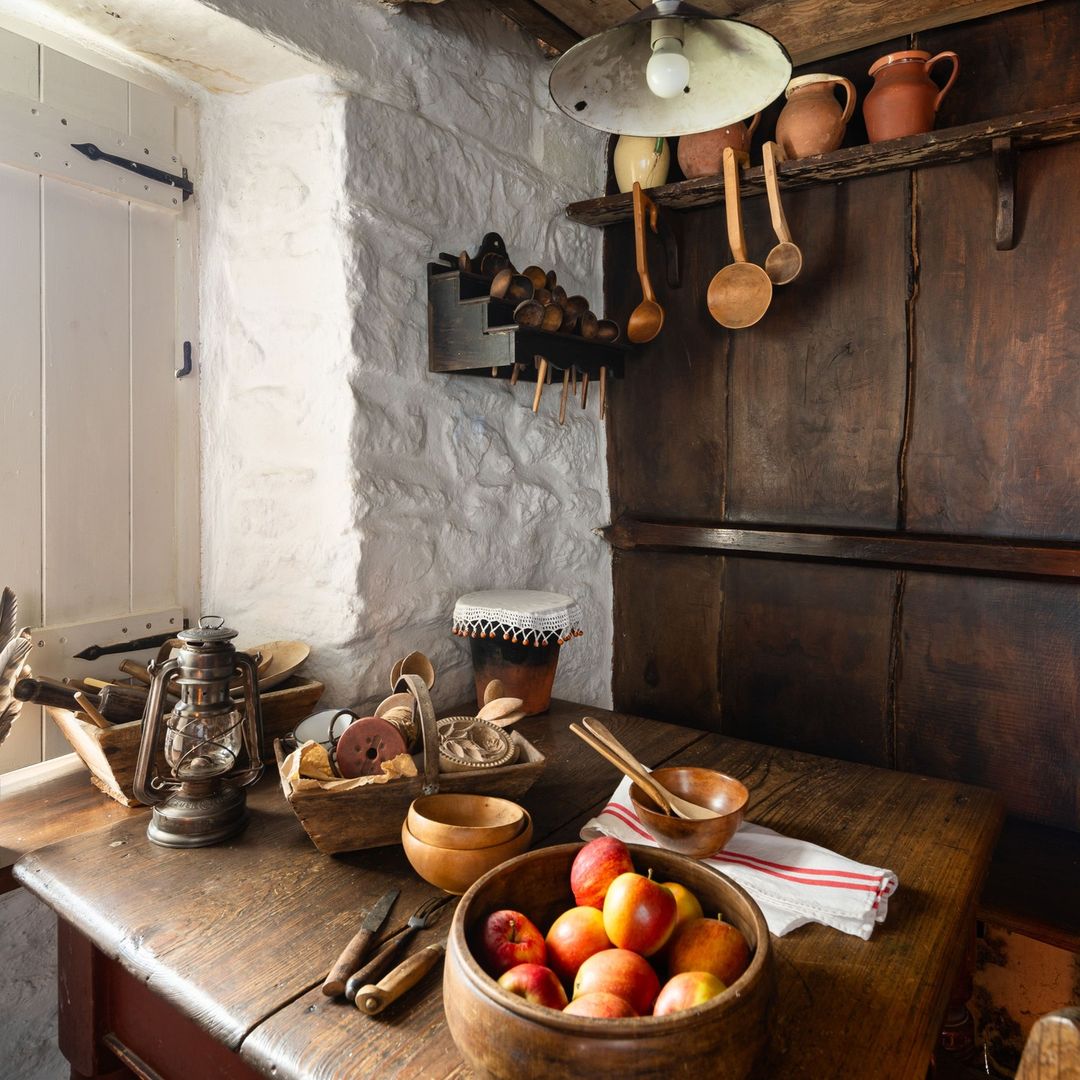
784, 262
647, 318
741, 292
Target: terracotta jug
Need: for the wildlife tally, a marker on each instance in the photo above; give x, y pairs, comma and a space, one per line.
812, 121
641, 158
703, 154
904, 99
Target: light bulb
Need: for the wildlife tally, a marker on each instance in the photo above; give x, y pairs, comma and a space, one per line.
668, 70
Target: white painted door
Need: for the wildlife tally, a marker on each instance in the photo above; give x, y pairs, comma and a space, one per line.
98, 440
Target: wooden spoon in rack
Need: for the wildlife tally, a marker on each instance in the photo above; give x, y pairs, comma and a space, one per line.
541, 378
784, 262
682, 807
647, 318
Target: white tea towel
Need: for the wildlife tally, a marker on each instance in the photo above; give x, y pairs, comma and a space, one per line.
793, 882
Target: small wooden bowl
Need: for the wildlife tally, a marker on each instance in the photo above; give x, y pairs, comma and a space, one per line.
706, 787
452, 869
498, 1032
464, 822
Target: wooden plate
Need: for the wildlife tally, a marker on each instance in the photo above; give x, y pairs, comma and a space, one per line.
285, 658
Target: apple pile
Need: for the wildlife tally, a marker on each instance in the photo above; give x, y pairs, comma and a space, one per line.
611, 951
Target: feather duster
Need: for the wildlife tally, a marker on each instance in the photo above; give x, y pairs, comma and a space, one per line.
14, 647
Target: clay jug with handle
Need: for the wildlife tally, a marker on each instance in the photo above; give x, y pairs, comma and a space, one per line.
812, 121
703, 154
904, 99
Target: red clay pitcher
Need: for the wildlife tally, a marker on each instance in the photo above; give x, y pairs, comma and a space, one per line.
904, 99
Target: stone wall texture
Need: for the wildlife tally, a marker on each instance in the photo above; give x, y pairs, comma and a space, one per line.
350, 496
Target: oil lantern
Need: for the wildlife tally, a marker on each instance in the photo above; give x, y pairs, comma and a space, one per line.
212, 744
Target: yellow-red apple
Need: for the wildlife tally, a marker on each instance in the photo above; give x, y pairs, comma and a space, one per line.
600, 1004
595, 867
575, 936
639, 913
622, 973
507, 939
687, 906
686, 990
535, 983
709, 945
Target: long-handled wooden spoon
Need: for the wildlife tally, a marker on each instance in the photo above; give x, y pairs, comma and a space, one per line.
682, 807
655, 791
784, 262
648, 317
741, 292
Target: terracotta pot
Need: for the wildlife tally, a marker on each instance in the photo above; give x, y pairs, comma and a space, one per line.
703, 154
643, 159
904, 99
526, 671
812, 121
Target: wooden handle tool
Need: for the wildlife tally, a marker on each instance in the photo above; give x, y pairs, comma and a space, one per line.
565, 395
378, 965
90, 709
356, 952
373, 998
541, 378
39, 692
136, 671
641, 778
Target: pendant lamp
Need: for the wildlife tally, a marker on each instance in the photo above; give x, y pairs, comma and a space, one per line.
671, 69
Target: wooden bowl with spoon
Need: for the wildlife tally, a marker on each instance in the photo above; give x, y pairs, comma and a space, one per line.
721, 793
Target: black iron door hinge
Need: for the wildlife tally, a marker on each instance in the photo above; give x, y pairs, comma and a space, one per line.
138, 167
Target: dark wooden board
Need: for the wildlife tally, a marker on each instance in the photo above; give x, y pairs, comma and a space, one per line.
990, 690
806, 653
844, 1007
816, 397
995, 445
667, 619
1013, 62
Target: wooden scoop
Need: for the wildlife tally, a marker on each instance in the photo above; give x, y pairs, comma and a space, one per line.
784, 262
648, 317
741, 292
655, 791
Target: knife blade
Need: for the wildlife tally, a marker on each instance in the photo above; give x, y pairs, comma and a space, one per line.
353, 955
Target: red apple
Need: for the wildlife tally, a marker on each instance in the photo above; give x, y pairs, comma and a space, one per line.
639, 914
575, 936
687, 905
686, 990
622, 973
595, 867
509, 938
600, 1004
709, 945
535, 983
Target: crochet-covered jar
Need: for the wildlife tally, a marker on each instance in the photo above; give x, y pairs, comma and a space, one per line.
515, 636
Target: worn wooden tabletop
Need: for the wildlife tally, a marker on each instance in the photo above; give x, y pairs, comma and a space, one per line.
238, 937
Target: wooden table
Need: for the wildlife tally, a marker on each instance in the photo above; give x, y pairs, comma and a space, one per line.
208, 963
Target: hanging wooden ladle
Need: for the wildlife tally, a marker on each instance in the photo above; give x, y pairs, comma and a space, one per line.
648, 317
784, 262
741, 292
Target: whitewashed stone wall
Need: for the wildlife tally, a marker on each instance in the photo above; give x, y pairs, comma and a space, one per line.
350, 496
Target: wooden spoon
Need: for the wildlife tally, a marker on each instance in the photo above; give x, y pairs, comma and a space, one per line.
682, 807
655, 791
648, 317
741, 292
784, 262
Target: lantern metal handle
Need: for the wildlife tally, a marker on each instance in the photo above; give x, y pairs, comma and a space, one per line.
144, 791
253, 724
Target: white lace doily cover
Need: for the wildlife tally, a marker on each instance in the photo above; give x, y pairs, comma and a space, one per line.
518, 615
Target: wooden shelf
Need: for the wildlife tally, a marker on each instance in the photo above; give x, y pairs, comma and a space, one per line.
469, 333
934, 148
1005, 558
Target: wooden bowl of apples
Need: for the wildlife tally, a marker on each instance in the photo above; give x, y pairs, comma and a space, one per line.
606, 960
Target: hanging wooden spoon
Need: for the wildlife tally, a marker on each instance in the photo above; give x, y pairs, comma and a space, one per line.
741, 292
784, 262
647, 318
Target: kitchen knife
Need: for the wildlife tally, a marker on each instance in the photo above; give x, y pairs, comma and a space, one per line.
354, 954
372, 999
92, 652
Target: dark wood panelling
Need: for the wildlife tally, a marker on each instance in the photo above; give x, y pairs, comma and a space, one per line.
995, 446
806, 657
990, 690
817, 387
667, 633
666, 449
1025, 59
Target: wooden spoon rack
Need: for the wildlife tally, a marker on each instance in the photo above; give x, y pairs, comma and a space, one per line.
471, 333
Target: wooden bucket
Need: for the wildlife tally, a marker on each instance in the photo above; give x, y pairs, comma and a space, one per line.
372, 816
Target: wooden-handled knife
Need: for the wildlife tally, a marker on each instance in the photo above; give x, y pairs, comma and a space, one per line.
373, 998
354, 954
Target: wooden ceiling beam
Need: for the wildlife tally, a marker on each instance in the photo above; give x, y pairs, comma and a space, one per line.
811, 29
